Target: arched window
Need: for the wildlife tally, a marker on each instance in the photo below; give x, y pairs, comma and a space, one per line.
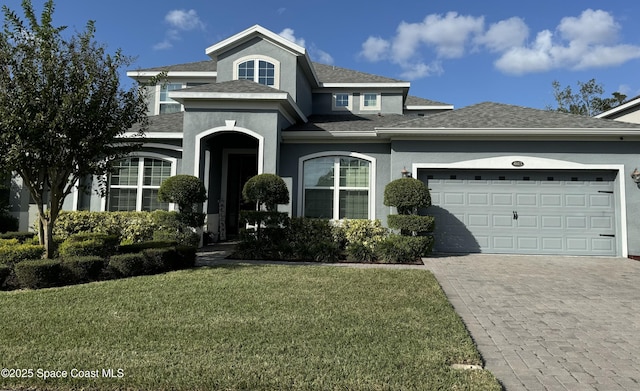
135, 182
337, 187
259, 69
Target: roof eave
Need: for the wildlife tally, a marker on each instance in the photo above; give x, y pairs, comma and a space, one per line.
511, 133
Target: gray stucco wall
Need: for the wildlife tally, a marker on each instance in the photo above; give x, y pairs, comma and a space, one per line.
391, 103
627, 153
291, 153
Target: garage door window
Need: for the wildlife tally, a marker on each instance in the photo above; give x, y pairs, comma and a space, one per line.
336, 187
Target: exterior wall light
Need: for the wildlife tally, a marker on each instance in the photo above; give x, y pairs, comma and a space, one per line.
635, 175
407, 174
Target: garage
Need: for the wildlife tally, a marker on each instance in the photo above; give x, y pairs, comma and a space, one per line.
569, 212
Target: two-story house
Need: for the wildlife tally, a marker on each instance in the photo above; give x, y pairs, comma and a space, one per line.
504, 179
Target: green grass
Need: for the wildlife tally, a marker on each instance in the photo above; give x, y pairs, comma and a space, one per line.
244, 328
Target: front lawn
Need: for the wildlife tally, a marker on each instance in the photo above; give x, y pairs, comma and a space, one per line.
242, 328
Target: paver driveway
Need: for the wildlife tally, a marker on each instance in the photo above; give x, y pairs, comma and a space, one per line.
549, 323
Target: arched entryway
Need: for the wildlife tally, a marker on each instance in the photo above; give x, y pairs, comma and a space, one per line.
228, 158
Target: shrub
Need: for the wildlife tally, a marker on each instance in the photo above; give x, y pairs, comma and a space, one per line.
86, 244
361, 252
128, 265
366, 232
303, 232
417, 225
186, 257
43, 273
266, 189
83, 269
8, 222
184, 190
159, 260
404, 249
5, 272
185, 237
21, 236
325, 251
10, 255
138, 247
407, 195
9, 242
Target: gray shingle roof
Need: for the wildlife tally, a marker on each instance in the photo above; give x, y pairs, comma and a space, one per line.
500, 116
417, 101
347, 122
199, 66
166, 122
242, 86
333, 74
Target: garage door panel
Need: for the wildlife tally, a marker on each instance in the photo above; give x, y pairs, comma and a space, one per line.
526, 212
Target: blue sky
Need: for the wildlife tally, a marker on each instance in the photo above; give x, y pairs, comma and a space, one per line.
458, 52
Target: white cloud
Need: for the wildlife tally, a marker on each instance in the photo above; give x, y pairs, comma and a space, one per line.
179, 20
281, 10
587, 41
290, 35
504, 35
314, 52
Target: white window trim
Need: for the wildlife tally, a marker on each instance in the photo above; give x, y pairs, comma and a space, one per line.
336, 194
349, 106
139, 186
159, 90
256, 58
378, 105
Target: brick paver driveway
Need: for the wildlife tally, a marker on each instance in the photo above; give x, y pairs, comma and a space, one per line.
550, 323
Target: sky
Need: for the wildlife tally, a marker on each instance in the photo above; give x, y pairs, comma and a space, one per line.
459, 52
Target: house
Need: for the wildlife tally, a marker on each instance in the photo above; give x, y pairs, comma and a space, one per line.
628, 111
504, 179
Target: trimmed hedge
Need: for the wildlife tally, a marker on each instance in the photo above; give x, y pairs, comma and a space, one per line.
404, 249
128, 265
413, 223
83, 269
138, 247
10, 255
21, 236
42, 273
8, 222
5, 272
87, 244
186, 257
9, 242
160, 260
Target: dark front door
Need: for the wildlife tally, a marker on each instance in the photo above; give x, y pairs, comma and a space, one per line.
241, 167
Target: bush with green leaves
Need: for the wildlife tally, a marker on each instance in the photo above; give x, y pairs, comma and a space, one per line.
186, 257
9, 242
303, 233
128, 265
413, 225
361, 237
266, 189
83, 268
10, 255
160, 260
186, 191
86, 244
404, 249
5, 272
23, 237
8, 222
36, 274
407, 195
139, 247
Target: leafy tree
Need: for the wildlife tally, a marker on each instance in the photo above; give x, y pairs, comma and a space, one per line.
407, 195
187, 191
62, 110
267, 189
587, 101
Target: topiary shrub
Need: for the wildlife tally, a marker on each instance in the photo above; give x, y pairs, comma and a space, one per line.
10, 255
83, 269
42, 273
187, 191
266, 189
21, 236
413, 225
86, 244
407, 195
127, 265
404, 249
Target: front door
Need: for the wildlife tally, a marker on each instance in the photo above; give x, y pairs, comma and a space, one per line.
240, 168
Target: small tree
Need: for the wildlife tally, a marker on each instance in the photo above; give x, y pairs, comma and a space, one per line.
266, 189
587, 101
63, 113
187, 191
407, 195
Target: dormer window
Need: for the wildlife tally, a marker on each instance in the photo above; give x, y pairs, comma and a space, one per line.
260, 69
369, 101
341, 101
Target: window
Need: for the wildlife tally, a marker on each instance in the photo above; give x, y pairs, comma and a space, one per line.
370, 101
168, 105
135, 182
341, 101
261, 70
336, 187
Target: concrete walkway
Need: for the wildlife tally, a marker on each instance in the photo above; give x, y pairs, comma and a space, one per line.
549, 323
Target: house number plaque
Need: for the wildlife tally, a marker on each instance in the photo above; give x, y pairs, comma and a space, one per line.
517, 163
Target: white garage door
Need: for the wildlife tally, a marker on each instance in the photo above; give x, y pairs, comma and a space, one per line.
523, 212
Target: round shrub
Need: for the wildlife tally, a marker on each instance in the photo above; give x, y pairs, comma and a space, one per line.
184, 190
83, 269
407, 195
86, 244
43, 273
10, 255
267, 189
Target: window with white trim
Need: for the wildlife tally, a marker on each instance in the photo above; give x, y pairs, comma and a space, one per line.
336, 187
134, 184
370, 101
341, 101
168, 105
262, 70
